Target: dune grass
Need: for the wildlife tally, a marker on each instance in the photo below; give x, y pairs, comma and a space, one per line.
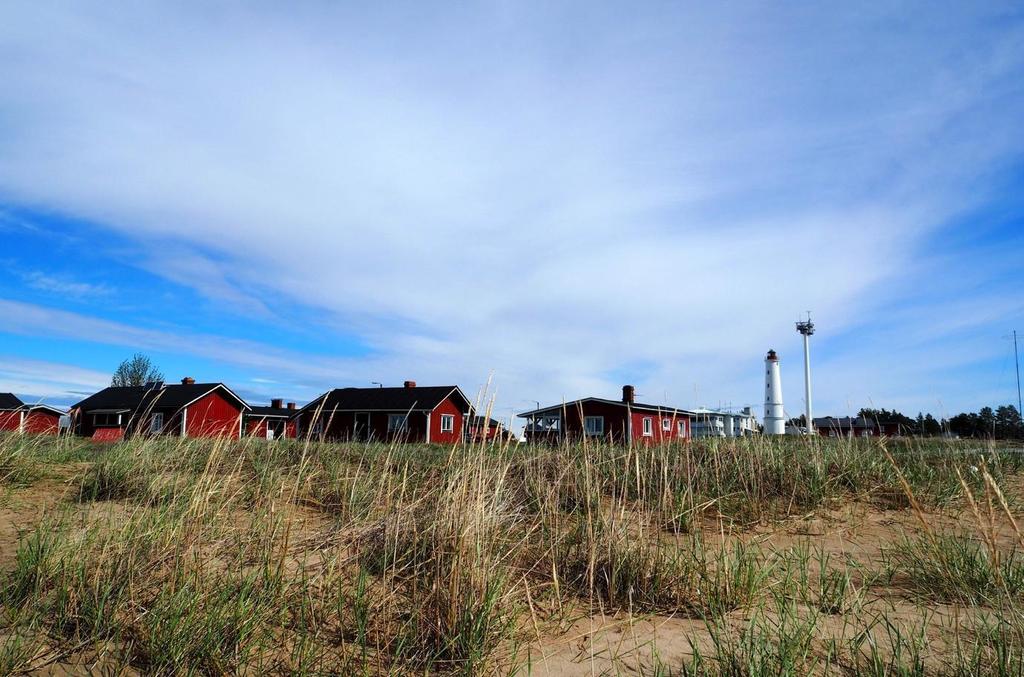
169, 556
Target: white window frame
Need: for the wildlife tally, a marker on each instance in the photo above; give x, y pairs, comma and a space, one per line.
400, 426
648, 426
593, 431
447, 423
156, 422
681, 427
666, 425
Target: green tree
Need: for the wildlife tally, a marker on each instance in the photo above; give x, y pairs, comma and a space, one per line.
986, 422
965, 425
930, 426
907, 425
137, 370
1008, 423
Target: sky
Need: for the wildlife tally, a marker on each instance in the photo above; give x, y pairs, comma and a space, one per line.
542, 201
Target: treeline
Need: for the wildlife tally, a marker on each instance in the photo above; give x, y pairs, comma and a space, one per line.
1002, 423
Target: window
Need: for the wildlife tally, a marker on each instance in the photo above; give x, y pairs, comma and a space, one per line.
593, 425
156, 422
666, 424
681, 425
396, 422
447, 423
105, 420
648, 427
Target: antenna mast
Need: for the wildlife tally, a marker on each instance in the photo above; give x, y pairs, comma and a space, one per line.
1016, 361
807, 329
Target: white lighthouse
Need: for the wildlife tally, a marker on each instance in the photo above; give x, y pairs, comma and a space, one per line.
774, 418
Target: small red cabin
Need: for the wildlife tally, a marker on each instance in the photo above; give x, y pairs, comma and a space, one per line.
611, 420
188, 409
273, 423
481, 428
410, 414
16, 416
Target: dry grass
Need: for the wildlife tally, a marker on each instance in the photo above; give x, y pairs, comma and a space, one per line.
738, 557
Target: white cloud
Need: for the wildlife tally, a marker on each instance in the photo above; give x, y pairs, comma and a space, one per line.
63, 285
554, 193
40, 381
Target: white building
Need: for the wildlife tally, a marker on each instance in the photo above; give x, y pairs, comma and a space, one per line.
706, 422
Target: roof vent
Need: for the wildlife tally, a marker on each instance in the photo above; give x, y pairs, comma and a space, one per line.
187, 381
410, 384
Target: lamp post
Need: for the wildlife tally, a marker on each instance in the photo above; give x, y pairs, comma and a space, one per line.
807, 330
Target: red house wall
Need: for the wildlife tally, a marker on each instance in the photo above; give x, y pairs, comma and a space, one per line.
446, 407
483, 432
10, 420
257, 427
615, 423
212, 416
657, 434
341, 425
614, 420
42, 423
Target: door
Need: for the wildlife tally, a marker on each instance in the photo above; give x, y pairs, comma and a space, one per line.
361, 430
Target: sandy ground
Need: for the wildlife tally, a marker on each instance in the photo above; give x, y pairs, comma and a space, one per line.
585, 643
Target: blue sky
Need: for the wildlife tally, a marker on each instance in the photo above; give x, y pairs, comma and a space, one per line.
549, 199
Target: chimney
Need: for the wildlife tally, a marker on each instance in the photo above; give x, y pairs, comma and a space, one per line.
276, 404
410, 384
187, 381
628, 394
291, 405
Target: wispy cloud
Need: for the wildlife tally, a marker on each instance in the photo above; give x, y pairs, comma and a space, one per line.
49, 382
64, 286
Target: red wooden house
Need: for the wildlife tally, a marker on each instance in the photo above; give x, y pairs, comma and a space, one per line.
188, 409
273, 422
481, 428
433, 414
16, 416
617, 421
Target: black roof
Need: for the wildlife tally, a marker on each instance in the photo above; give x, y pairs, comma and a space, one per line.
418, 398
479, 420
843, 422
10, 401
264, 412
635, 406
44, 407
132, 398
